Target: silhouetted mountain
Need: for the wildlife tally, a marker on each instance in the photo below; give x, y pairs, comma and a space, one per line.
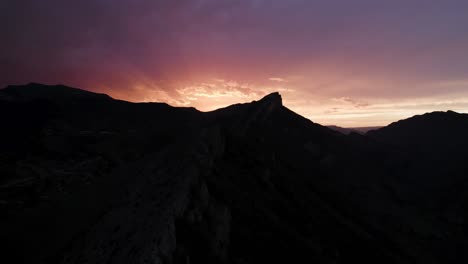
437, 133
347, 131
342, 130
432, 177
57, 93
89, 179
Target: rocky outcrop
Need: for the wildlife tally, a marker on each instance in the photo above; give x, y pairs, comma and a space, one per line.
167, 214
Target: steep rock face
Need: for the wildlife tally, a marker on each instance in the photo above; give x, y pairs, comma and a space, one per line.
157, 209
270, 102
167, 216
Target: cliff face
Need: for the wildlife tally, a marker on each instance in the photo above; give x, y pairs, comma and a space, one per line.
106, 181
165, 214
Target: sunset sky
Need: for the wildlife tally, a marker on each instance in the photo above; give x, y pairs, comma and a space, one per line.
349, 62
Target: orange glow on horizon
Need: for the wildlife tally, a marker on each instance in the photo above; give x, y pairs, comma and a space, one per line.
324, 109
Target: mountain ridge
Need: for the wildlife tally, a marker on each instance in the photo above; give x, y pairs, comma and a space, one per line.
249, 183
57, 92
60, 92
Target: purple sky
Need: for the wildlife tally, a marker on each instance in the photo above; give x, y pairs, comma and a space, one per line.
351, 63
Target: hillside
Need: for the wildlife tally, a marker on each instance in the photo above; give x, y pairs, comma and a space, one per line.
86, 178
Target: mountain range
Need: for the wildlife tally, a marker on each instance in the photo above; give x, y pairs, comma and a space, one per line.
349, 130
85, 178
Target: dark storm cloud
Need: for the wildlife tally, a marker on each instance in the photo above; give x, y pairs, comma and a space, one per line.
85, 39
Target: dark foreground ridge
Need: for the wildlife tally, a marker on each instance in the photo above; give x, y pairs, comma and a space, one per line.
89, 179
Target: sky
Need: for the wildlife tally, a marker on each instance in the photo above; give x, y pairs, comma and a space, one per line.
348, 63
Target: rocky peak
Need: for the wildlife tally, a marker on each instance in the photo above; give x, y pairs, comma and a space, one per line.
263, 108
273, 99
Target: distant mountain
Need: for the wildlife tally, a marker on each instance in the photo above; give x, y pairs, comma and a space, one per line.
86, 178
347, 131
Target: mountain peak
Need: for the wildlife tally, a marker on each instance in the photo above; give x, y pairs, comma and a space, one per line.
273, 97
271, 101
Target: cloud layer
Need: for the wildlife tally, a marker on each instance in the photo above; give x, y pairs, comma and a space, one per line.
330, 58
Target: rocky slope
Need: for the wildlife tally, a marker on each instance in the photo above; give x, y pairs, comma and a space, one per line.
89, 179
